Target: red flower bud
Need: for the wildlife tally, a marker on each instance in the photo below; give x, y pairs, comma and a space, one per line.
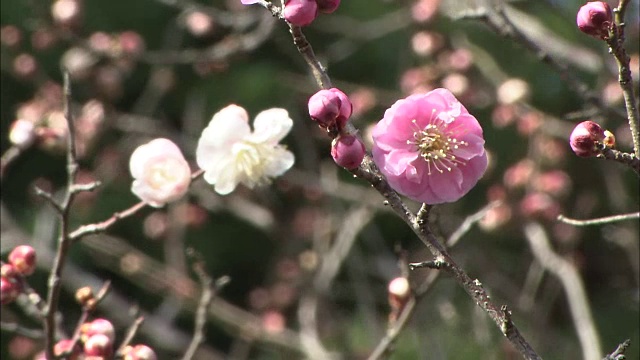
23, 258
347, 151
595, 18
585, 138
300, 12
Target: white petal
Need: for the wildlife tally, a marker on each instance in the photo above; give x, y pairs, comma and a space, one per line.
281, 161
227, 127
271, 126
143, 153
226, 181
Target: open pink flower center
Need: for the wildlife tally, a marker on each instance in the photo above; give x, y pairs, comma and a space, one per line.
437, 147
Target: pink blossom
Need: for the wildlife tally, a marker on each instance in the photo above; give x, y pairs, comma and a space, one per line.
249, 2
160, 172
430, 148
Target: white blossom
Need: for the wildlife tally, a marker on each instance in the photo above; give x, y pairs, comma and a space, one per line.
230, 153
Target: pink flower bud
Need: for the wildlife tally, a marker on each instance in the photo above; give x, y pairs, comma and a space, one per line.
9, 271
98, 345
139, 352
300, 12
63, 346
9, 290
585, 138
399, 293
160, 172
23, 258
328, 6
98, 326
347, 151
399, 288
330, 107
595, 18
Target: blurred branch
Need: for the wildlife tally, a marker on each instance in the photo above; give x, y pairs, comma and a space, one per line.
499, 22
153, 276
8, 157
15, 328
222, 50
599, 221
573, 287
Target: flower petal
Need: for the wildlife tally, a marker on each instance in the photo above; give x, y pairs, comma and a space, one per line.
271, 126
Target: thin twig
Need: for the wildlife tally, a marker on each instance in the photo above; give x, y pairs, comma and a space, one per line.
305, 49
131, 333
618, 353
64, 243
100, 227
201, 313
599, 221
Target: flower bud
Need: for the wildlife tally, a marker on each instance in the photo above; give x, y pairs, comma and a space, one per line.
83, 294
139, 352
347, 151
300, 12
585, 138
330, 107
9, 289
23, 258
399, 293
328, 6
97, 326
161, 173
22, 133
63, 346
98, 345
8, 271
595, 18
609, 139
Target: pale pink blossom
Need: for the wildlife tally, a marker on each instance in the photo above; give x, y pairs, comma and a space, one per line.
160, 172
230, 153
430, 148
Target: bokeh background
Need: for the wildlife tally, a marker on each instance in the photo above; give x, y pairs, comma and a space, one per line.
143, 69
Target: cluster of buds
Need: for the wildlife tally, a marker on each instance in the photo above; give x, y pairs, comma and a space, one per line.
96, 342
331, 109
596, 19
22, 262
588, 137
